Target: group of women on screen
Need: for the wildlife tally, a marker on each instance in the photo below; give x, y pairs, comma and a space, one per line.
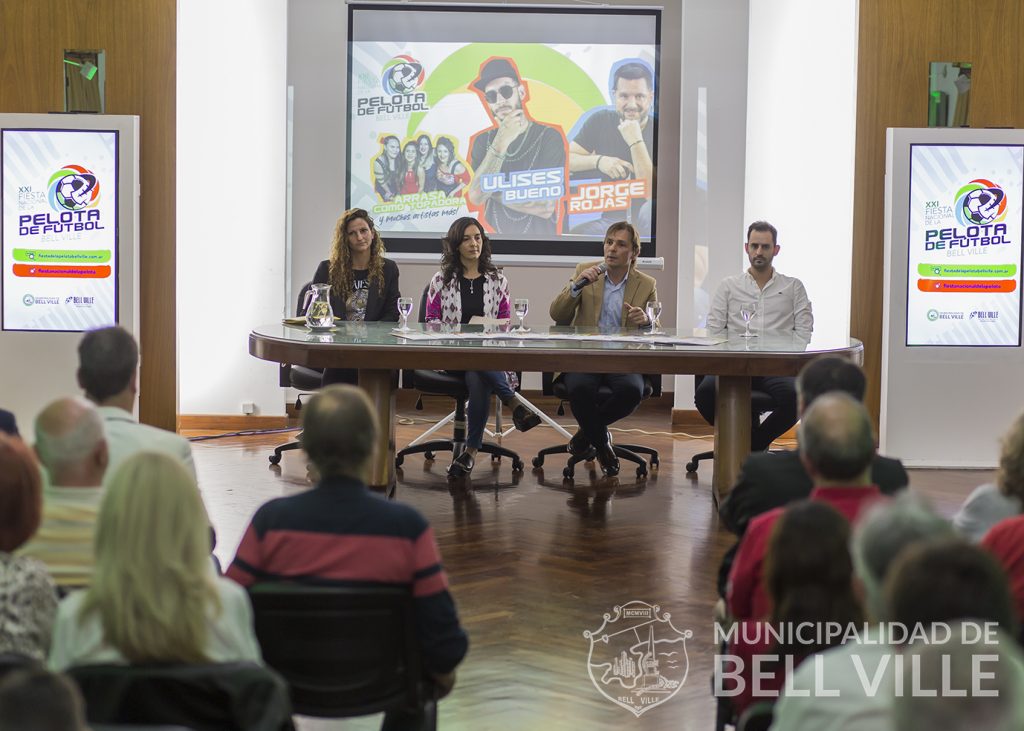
418, 167
364, 287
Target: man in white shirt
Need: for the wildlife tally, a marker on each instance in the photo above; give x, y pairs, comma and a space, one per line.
780, 307
108, 372
72, 447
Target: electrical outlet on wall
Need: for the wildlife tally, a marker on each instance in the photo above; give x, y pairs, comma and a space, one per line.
248, 408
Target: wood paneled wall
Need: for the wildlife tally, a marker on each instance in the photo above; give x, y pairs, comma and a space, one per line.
898, 39
139, 40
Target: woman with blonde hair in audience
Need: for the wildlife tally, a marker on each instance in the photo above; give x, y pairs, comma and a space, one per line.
28, 597
154, 595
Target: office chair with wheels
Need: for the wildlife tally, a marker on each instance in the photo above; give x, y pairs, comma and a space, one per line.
206, 697
629, 452
344, 651
760, 403
304, 379
445, 384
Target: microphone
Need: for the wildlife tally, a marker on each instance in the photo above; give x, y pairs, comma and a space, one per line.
583, 281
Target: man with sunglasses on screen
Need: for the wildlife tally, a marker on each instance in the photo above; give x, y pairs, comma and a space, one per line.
518, 163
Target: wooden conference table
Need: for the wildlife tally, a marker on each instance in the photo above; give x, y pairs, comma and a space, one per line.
373, 350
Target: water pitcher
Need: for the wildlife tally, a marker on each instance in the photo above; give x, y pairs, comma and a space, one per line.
318, 306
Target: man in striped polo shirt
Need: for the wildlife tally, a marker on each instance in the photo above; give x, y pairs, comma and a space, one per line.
340, 533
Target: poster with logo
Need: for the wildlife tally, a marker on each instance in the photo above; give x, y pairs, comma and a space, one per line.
59, 236
538, 141
964, 259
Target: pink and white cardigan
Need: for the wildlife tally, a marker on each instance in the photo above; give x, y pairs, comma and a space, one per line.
444, 303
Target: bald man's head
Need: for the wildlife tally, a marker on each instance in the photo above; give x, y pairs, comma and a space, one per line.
837, 443
339, 431
71, 443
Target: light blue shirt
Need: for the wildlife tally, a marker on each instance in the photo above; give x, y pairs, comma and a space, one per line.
611, 305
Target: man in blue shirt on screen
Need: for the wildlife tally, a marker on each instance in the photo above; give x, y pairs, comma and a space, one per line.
618, 144
515, 204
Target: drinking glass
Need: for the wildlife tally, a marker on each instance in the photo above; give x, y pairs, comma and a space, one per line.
653, 313
747, 313
405, 309
522, 307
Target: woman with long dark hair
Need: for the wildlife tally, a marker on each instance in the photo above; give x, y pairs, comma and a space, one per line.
809, 577
427, 163
364, 283
450, 175
386, 172
469, 284
412, 173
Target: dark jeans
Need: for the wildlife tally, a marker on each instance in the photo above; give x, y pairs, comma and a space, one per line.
782, 389
481, 384
593, 415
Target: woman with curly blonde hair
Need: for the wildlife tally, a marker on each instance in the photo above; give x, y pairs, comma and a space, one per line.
154, 597
364, 283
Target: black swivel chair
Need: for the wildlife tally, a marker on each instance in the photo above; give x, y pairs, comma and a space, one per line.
760, 403
629, 452
300, 377
344, 651
444, 384
206, 697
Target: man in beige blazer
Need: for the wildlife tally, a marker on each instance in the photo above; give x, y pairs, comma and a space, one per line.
610, 294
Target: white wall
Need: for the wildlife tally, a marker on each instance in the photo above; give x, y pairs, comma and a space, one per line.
711, 151
231, 104
801, 112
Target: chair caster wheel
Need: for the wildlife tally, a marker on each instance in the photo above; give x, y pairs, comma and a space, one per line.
568, 473
429, 456
655, 463
496, 458
538, 461
691, 466
517, 465
275, 459
641, 473
399, 460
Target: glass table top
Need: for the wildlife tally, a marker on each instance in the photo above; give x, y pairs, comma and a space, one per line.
432, 336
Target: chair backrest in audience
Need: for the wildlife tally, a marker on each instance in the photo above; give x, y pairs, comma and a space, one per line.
343, 651
209, 697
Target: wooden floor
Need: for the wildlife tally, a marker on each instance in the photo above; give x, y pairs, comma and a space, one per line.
533, 563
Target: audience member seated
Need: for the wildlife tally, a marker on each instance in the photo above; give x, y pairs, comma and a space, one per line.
28, 598
809, 577
957, 684
72, 448
469, 285
8, 425
342, 534
108, 372
1006, 542
39, 700
154, 596
774, 304
364, 282
616, 297
837, 446
999, 500
883, 532
771, 479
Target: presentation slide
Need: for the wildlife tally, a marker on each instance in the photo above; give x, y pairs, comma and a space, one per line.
542, 124
59, 235
963, 286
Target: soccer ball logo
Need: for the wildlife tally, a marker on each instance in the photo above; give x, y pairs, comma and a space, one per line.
73, 188
980, 202
402, 75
